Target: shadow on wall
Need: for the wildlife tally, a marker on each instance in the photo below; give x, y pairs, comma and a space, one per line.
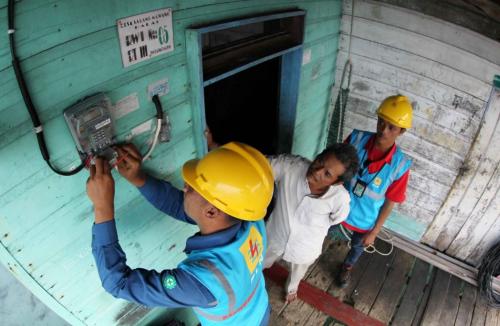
18, 306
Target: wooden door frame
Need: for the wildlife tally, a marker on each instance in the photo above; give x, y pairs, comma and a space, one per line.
290, 63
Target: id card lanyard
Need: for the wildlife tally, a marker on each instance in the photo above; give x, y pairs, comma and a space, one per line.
360, 186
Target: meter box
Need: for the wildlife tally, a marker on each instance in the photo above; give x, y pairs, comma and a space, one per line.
91, 125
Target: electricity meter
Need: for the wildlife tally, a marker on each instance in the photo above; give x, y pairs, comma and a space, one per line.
91, 126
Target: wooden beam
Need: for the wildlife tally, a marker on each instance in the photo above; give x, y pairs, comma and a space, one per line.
323, 301
442, 261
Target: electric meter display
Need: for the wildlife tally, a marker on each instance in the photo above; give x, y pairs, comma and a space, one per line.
91, 124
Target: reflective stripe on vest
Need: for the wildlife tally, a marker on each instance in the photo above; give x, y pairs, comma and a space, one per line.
374, 195
229, 291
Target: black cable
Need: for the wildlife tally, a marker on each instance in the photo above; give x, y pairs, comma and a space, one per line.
159, 109
37, 126
489, 269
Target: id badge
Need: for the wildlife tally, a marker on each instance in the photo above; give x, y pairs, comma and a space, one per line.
359, 188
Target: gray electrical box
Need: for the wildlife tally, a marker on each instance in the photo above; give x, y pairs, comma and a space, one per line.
91, 126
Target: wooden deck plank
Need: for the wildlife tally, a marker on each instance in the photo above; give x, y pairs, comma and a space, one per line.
466, 308
492, 317
413, 294
437, 298
425, 298
452, 302
319, 318
393, 287
480, 310
322, 301
373, 279
346, 294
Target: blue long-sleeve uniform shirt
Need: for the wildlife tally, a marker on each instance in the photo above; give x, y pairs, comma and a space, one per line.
147, 287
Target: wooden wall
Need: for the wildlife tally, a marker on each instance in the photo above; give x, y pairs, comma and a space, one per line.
70, 49
447, 72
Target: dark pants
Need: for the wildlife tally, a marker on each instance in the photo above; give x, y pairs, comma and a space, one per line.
356, 245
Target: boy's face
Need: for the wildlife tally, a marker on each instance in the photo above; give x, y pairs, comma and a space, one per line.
324, 173
387, 132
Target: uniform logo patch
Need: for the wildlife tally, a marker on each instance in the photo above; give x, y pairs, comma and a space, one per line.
377, 182
169, 282
252, 248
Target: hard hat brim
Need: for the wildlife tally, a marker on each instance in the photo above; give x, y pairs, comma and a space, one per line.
189, 173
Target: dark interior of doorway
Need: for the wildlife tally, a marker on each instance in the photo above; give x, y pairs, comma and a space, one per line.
244, 107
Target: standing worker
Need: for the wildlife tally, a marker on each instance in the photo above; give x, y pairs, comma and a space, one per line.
226, 194
381, 180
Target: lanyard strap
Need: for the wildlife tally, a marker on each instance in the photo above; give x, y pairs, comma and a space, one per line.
376, 174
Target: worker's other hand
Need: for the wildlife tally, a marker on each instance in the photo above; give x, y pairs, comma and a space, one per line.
101, 191
129, 164
369, 238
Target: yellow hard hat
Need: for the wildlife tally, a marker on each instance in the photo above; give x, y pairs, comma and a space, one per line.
397, 110
236, 178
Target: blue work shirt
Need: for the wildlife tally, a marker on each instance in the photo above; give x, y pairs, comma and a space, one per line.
147, 287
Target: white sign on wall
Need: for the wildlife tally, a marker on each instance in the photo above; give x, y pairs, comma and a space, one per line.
145, 36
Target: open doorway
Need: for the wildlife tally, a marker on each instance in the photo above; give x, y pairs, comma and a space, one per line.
244, 107
245, 77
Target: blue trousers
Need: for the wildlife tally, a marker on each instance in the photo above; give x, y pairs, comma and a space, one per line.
356, 246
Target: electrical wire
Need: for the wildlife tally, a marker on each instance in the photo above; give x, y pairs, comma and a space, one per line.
159, 119
489, 269
37, 126
371, 248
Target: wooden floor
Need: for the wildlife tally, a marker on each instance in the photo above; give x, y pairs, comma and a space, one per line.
397, 290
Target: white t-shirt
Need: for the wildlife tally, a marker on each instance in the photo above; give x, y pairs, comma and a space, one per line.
299, 222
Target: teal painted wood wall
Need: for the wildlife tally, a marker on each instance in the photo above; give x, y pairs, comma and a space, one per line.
70, 49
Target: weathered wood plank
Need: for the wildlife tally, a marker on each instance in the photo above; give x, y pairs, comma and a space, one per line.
451, 303
470, 185
376, 273
437, 29
393, 287
460, 121
492, 317
412, 83
489, 239
466, 308
417, 64
482, 217
436, 50
417, 320
410, 142
435, 305
413, 295
348, 294
422, 126
480, 311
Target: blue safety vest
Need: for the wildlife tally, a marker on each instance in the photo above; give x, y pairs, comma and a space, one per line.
364, 210
233, 274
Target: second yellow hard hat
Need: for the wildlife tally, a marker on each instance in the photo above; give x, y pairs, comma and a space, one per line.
397, 110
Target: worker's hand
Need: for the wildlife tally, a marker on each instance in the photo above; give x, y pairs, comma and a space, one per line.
369, 238
129, 164
101, 191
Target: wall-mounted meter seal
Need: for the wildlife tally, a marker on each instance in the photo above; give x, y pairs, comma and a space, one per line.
91, 126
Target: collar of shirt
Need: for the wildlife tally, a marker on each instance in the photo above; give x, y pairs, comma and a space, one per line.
377, 165
209, 241
306, 191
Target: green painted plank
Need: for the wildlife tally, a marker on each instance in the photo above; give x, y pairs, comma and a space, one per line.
62, 28
324, 27
25, 278
58, 26
405, 225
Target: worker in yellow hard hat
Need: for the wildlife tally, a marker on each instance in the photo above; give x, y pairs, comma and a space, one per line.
381, 180
226, 194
